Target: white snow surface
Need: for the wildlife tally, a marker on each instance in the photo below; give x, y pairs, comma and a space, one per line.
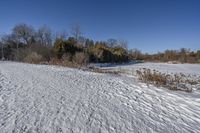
192, 69
40, 98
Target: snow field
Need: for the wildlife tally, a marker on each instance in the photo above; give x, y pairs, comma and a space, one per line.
39, 98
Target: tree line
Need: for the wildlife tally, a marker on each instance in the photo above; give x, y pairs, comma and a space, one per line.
174, 56
26, 44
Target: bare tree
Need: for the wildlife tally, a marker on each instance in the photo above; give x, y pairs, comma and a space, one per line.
117, 43
44, 36
123, 43
61, 35
135, 53
112, 42
183, 54
24, 33
76, 32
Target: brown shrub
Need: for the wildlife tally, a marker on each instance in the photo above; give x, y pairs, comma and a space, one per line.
21, 54
55, 61
98, 70
172, 82
67, 57
80, 58
33, 58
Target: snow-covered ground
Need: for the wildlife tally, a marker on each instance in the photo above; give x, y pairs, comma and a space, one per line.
192, 69
40, 98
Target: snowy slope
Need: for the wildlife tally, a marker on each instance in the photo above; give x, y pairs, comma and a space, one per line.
39, 98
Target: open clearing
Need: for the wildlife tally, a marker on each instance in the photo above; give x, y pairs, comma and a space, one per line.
40, 98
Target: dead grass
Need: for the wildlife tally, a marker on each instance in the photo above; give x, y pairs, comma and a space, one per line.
34, 58
98, 70
176, 82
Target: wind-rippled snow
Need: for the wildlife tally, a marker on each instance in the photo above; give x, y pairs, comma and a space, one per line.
39, 98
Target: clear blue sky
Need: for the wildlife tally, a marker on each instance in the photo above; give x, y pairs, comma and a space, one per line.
149, 25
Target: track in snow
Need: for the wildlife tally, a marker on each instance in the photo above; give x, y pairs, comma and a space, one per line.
39, 98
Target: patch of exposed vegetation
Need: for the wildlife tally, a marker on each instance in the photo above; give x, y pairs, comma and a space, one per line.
105, 71
177, 82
